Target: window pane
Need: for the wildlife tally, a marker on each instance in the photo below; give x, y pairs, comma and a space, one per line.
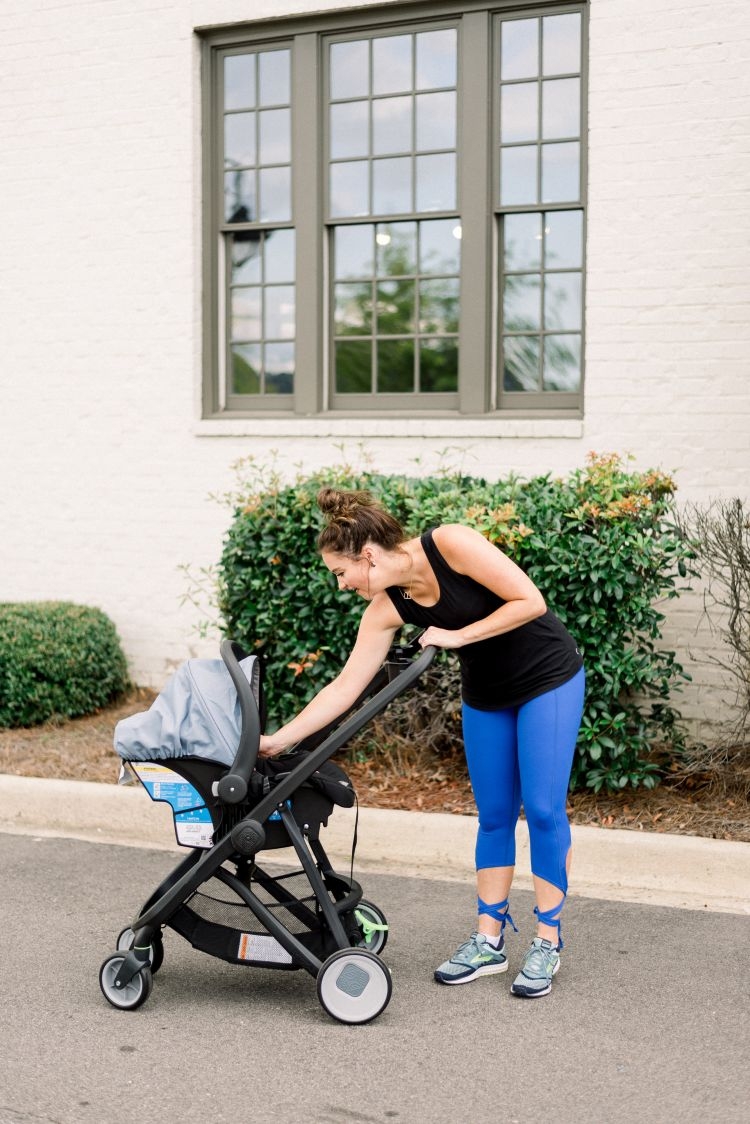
279, 358
519, 112
349, 132
246, 314
239, 81
518, 175
396, 248
395, 308
562, 363
274, 78
521, 363
352, 313
353, 254
275, 142
438, 365
439, 246
561, 44
563, 240
522, 241
349, 188
279, 312
391, 64
436, 182
391, 125
391, 185
246, 368
519, 50
562, 301
438, 305
436, 59
239, 139
522, 303
350, 69
560, 172
436, 121
246, 247
275, 194
354, 367
239, 197
561, 108
279, 255
395, 368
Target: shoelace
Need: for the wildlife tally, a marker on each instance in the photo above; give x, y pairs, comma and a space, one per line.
538, 961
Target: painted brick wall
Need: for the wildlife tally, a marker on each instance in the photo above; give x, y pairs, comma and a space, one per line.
107, 470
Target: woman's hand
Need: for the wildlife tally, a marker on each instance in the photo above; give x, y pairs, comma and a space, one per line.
442, 638
270, 746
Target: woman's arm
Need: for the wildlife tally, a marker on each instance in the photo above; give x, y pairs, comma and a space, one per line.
379, 623
468, 552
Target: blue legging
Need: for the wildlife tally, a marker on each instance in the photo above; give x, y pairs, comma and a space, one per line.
523, 755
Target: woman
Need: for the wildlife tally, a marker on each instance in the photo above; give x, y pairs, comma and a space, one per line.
522, 692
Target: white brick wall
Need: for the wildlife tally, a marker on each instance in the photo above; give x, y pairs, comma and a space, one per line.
106, 467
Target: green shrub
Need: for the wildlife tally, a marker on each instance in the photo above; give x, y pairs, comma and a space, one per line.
601, 544
57, 660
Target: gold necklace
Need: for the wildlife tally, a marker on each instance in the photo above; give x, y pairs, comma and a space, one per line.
406, 593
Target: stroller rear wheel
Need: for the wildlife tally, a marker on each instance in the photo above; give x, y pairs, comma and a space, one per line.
354, 986
134, 993
373, 926
156, 956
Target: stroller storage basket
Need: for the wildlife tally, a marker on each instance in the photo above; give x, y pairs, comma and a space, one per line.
219, 898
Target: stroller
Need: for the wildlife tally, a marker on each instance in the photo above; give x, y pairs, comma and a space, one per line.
229, 806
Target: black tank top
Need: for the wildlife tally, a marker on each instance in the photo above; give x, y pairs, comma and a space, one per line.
505, 670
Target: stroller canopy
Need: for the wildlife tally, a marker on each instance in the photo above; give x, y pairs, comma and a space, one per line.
196, 715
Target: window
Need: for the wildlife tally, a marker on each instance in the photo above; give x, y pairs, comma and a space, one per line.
395, 213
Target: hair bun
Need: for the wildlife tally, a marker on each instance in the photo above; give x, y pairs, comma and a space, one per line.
336, 504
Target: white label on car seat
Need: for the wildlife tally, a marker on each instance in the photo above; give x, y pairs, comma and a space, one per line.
257, 946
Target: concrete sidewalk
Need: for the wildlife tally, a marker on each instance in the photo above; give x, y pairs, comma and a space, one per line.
682, 871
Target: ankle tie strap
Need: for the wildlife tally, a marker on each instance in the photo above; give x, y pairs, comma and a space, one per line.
494, 910
551, 917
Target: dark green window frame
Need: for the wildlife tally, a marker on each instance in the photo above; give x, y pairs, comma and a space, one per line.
482, 390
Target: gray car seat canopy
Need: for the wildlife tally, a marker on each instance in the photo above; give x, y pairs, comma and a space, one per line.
196, 715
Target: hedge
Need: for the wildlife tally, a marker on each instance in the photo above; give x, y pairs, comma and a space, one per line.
601, 543
57, 660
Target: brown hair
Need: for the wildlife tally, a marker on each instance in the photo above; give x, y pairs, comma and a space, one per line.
353, 519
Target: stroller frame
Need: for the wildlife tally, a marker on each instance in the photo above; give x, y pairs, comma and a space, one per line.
354, 985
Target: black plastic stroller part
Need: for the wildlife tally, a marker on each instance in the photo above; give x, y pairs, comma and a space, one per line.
306, 918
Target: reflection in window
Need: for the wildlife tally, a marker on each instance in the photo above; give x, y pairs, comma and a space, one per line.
392, 124
396, 307
262, 312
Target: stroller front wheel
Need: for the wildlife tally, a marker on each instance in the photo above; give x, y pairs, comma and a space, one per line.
134, 993
354, 986
156, 955
373, 926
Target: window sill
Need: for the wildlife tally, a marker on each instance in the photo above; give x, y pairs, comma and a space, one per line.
446, 427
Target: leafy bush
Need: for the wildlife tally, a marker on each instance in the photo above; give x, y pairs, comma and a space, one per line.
601, 544
56, 660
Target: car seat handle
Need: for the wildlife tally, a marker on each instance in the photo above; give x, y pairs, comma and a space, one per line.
232, 788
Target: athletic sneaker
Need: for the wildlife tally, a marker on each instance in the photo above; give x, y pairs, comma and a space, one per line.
475, 957
541, 964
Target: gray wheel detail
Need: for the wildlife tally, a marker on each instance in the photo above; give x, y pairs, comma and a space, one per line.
155, 956
133, 994
371, 921
354, 986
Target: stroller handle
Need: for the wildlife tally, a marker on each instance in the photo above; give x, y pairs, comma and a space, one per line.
398, 673
232, 788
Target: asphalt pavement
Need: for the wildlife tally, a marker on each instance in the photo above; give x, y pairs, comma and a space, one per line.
647, 1019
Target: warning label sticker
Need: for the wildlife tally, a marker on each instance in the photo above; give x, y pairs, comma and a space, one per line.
262, 947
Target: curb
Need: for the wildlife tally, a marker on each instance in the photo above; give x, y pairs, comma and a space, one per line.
681, 871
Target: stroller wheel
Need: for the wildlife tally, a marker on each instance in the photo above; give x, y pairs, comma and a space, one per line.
156, 956
373, 926
133, 994
354, 986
